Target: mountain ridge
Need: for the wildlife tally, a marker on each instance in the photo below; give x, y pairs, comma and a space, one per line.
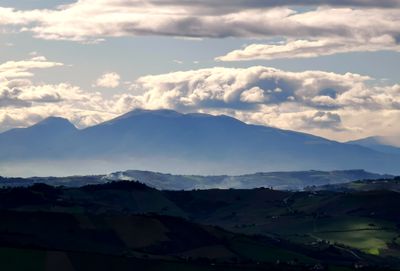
166, 140
377, 143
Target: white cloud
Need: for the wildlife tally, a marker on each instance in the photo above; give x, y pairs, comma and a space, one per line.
24, 103
235, 88
108, 80
23, 68
332, 27
27, 104
97, 19
322, 119
178, 61
311, 48
253, 95
229, 5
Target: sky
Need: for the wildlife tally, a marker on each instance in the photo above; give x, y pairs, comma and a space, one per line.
325, 67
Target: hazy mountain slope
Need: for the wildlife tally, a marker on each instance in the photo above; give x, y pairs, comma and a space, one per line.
48, 138
376, 143
165, 140
222, 140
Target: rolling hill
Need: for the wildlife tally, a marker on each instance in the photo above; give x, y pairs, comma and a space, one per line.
277, 180
392, 184
296, 180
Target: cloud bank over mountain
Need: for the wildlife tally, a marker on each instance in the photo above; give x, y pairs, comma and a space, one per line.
23, 103
321, 101
328, 104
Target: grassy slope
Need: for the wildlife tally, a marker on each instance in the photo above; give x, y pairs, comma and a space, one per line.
366, 221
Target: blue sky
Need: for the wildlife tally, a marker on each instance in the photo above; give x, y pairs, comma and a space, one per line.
89, 68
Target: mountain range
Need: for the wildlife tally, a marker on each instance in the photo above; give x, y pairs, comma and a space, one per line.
169, 141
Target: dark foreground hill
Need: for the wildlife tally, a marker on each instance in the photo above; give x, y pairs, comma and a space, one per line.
123, 224
151, 241
162, 140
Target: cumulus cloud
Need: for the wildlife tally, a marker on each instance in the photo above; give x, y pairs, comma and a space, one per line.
235, 88
321, 119
24, 97
253, 95
28, 104
108, 80
23, 103
17, 91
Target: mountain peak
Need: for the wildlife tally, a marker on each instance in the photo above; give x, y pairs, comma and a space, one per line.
372, 140
55, 122
168, 114
377, 140
138, 112
143, 112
